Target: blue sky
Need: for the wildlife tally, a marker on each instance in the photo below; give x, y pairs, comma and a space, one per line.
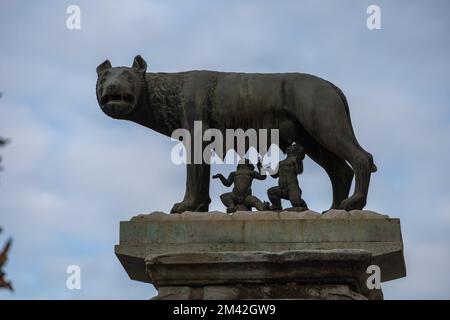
71, 174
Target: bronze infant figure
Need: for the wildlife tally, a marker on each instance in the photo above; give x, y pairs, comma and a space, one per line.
241, 198
288, 188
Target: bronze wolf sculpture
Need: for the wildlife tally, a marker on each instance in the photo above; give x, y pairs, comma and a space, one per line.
306, 109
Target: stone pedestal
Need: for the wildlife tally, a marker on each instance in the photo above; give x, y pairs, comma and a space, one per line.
261, 255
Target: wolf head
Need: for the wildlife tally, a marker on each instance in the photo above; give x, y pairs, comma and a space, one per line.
120, 89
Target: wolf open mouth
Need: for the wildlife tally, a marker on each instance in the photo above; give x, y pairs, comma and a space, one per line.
117, 105
120, 98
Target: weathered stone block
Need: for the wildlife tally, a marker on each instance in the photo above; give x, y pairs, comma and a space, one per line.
306, 274
145, 237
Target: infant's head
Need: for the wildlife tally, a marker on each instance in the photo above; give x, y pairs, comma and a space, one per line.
295, 150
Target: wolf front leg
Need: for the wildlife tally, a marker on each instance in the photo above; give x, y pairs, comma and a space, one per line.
197, 189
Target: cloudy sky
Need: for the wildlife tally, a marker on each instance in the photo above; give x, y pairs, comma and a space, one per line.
71, 173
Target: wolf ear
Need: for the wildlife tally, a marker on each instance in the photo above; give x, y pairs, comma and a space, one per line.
103, 66
139, 64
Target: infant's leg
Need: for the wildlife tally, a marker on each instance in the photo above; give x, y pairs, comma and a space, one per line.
275, 194
252, 201
295, 196
227, 200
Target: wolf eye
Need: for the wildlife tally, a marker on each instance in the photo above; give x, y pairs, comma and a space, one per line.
130, 79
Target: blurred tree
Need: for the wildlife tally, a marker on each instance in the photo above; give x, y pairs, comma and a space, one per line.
3, 142
4, 252
3, 258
